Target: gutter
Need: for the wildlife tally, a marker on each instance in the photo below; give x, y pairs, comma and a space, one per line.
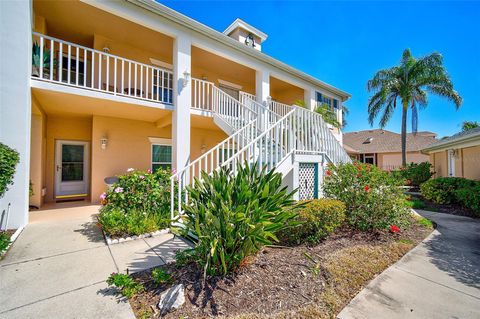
446, 144
196, 26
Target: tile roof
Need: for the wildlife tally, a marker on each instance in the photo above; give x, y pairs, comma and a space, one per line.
456, 138
383, 141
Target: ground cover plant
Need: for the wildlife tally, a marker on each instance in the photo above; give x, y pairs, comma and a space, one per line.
4, 241
138, 203
373, 198
125, 284
305, 281
234, 215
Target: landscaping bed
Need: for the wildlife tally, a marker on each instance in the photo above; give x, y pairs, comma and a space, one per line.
286, 282
453, 209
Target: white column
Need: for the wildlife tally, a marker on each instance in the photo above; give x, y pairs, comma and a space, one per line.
310, 99
182, 100
15, 103
262, 88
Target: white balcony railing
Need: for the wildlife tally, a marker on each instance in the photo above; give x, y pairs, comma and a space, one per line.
280, 108
66, 63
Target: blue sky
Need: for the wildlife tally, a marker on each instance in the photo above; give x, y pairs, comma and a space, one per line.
344, 43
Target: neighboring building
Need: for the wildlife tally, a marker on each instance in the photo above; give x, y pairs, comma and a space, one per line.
384, 148
133, 84
457, 155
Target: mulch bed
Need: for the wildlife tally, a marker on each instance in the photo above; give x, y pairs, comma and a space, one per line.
276, 280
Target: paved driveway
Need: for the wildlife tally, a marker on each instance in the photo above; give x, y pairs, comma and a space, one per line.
440, 278
58, 266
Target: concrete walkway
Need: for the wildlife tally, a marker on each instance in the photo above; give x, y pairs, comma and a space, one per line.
440, 278
58, 266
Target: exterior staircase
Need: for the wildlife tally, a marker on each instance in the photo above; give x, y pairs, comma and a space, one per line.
271, 136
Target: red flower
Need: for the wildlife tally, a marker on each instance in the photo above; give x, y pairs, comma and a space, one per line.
359, 167
366, 188
359, 175
328, 172
394, 228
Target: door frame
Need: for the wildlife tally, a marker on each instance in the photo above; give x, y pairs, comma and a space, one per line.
451, 163
57, 173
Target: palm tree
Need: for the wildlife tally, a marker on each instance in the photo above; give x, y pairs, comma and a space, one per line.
468, 125
409, 83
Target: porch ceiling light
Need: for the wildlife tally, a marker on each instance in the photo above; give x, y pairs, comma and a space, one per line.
104, 142
186, 78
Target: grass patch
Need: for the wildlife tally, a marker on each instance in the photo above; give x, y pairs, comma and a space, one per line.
425, 223
416, 204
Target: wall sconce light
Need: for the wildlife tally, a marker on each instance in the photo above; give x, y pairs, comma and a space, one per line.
105, 50
104, 142
186, 78
203, 148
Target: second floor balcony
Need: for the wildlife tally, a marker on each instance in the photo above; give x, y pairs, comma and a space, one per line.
66, 63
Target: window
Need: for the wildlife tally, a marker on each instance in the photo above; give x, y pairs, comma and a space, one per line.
161, 156
335, 104
321, 99
73, 70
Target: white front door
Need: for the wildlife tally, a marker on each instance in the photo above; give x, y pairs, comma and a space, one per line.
451, 163
71, 169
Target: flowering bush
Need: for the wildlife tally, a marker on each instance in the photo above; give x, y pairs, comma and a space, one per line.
138, 203
372, 196
414, 174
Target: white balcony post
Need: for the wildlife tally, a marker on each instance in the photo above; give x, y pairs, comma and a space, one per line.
262, 88
310, 99
182, 91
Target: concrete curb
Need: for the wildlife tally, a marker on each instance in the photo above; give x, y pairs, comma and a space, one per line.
111, 241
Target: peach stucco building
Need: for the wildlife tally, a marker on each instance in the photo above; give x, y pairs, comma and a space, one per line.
457, 155
383, 148
112, 85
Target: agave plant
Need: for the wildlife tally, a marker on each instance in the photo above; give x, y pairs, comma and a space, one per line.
36, 59
234, 215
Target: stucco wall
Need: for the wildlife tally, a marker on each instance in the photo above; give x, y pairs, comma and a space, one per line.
471, 162
37, 154
440, 163
393, 160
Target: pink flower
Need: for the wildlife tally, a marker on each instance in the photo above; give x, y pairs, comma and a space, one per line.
174, 171
130, 169
103, 196
149, 171
118, 190
328, 172
141, 177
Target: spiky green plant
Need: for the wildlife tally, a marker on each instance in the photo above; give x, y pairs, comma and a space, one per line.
409, 83
234, 215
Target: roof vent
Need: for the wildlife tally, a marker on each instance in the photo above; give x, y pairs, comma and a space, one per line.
368, 140
246, 34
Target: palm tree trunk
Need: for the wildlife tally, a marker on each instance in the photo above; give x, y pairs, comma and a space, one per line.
404, 134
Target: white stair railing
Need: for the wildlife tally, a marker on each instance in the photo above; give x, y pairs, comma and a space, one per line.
300, 130
280, 108
74, 65
207, 97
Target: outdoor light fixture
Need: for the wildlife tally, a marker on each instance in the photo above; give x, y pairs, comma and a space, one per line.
106, 50
186, 78
250, 40
104, 142
203, 148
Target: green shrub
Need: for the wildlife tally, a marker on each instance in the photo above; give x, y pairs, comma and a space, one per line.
234, 215
161, 276
4, 241
469, 197
316, 220
415, 174
422, 221
442, 190
9, 159
373, 197
138, 203
128, 287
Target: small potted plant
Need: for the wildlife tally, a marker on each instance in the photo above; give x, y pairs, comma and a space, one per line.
46, 61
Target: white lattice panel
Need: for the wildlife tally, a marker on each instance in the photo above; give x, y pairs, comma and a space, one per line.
307, 181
